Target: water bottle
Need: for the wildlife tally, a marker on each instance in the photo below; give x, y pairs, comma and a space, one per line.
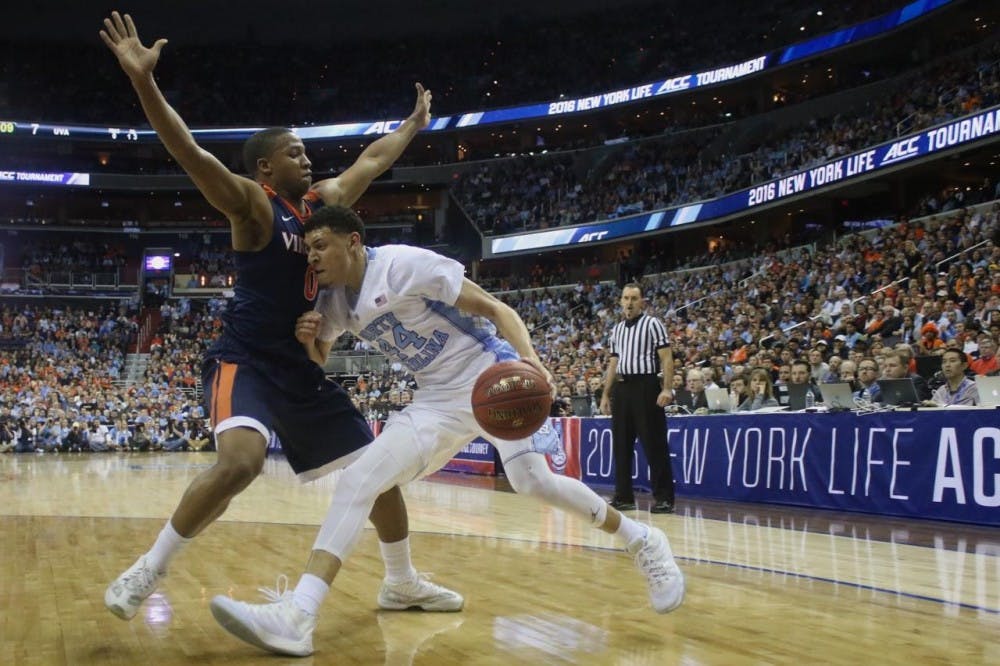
810, 399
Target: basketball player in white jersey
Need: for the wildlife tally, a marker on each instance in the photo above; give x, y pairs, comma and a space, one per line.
414, 306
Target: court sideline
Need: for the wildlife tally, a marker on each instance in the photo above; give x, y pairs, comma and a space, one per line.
766, 584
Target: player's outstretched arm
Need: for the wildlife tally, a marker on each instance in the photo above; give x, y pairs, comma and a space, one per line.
475, 300
348, 187
233, 195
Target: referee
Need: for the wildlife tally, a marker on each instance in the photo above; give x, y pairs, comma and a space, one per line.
639, 349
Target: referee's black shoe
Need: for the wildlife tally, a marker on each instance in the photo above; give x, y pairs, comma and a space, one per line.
622, 505
662, 506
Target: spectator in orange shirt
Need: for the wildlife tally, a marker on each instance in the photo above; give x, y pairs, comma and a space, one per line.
876, 319
987, 361
966, 282
929, 342
739, 355
872, 255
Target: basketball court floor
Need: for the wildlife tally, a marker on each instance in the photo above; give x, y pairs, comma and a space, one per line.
765, 584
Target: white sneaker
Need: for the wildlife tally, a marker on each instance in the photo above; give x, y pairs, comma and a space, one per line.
124, 596
664, 577
418, 593
280, 626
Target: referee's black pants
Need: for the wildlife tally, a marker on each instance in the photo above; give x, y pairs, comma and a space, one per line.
634, 412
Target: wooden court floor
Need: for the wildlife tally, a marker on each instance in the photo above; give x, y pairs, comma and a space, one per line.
765, 585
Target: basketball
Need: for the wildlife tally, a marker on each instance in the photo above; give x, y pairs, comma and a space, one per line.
511, 400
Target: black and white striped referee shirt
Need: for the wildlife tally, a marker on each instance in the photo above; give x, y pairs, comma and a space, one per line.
635, 342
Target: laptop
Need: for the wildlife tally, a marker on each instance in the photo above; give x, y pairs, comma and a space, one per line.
797, 396
837, 395
928, 366
898, 392
989, 391
581, 405
718, 400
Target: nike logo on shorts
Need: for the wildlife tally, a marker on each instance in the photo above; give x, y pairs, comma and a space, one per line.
285, 218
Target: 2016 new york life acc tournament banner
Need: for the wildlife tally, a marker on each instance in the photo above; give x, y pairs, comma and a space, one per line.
940, 464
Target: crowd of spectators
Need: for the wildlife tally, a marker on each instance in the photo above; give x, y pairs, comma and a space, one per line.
34, 258
843, 309
844, 312
648, 121
42, 259
211, 265
63, 385
64, 256
862, 298
378, 394
560, 189
541, 191
467, 69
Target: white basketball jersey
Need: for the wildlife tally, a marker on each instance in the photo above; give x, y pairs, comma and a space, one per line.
406, 310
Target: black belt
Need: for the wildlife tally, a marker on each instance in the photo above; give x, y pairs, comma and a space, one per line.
635, 378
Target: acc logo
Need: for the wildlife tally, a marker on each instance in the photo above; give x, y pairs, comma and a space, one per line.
674, 84
901, 150
592, 236
383, 127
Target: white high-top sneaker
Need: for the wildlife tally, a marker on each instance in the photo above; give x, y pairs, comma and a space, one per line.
124, 596
664, 577
279, 626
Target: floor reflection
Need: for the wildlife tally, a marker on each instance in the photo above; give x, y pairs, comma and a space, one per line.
554, 635
955, 565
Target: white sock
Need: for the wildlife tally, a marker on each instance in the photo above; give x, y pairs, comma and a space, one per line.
630, 530
396, 555
166, 546
310, 593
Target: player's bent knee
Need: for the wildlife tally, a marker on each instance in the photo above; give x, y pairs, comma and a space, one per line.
237, 472
354, 489
532, 477
237, 475
242, 452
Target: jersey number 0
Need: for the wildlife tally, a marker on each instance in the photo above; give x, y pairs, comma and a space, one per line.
312, 284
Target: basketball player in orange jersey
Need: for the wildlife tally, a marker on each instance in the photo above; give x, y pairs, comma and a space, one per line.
258, 378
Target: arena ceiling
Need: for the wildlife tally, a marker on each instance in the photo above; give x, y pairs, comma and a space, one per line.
277, 21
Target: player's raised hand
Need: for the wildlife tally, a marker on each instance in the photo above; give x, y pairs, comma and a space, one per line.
307, 327
422, 109
121, 37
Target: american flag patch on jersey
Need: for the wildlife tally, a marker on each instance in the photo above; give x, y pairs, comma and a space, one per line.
380, 300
